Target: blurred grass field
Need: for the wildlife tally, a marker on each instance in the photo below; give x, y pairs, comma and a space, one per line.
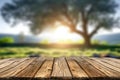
20, 52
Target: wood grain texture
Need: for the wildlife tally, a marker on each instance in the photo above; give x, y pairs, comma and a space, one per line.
107, 64
12, 65
60, 68
32, 68
46, 69
76, 70
80, 68
4, 60
15, 69
6, 63
106, 70
89, 69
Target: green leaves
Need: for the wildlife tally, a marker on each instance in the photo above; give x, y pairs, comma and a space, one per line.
46, 12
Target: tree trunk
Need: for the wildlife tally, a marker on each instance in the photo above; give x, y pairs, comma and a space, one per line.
87, 40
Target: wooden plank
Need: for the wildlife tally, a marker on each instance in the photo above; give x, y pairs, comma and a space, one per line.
4, 60
107, 65
89, 69
6, 63
60, 68
31, 69
16, 69
111, 62
45, 70
17, 62
102, 68
76, 70
70, 67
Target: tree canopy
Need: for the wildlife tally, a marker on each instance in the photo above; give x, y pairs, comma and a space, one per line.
41, 13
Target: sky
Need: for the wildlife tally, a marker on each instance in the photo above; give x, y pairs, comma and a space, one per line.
21, 28
8, 29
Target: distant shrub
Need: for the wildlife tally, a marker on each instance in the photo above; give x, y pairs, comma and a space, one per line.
104, 43
30, 52
7, 53
6, 40
96, 42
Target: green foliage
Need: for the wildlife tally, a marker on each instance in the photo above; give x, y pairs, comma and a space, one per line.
80, 41
45, 41
41, 13
104, 43
14, 52
95, 42
6, 40
7, 53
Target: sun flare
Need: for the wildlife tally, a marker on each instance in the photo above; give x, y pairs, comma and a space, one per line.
61, 33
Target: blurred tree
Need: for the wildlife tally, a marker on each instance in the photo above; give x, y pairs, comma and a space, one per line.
21, 37
6, 40
85, 13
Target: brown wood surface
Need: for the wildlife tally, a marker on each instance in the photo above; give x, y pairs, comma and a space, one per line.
60, 68
46, 69
78, 68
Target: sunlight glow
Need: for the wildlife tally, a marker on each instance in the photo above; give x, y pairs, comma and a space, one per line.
61, 33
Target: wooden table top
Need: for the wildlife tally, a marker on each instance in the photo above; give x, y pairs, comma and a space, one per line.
82, 68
